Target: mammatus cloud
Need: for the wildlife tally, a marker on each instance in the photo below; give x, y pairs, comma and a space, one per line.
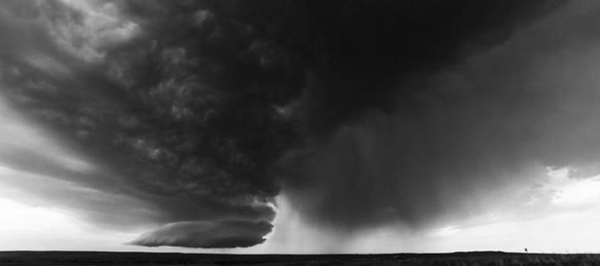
368, 113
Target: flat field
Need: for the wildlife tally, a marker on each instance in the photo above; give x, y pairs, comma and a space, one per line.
177, 259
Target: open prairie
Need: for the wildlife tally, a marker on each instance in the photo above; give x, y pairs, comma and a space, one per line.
176, 259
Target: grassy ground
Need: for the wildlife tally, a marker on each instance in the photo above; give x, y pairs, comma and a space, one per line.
173, 259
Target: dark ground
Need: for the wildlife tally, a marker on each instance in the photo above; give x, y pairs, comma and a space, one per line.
175, 259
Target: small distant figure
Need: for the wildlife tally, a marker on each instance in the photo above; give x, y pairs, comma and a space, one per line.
526, 250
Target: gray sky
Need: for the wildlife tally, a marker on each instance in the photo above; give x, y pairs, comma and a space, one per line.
137, 124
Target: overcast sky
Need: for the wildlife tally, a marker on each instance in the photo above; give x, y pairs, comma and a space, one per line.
299, 126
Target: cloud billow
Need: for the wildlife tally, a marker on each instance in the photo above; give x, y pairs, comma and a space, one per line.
156, 119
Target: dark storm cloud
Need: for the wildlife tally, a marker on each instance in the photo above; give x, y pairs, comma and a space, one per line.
369, 111
467, 137
225, 234
145, 127
358, 51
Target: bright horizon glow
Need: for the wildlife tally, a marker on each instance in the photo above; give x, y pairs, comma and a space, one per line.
43, 228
